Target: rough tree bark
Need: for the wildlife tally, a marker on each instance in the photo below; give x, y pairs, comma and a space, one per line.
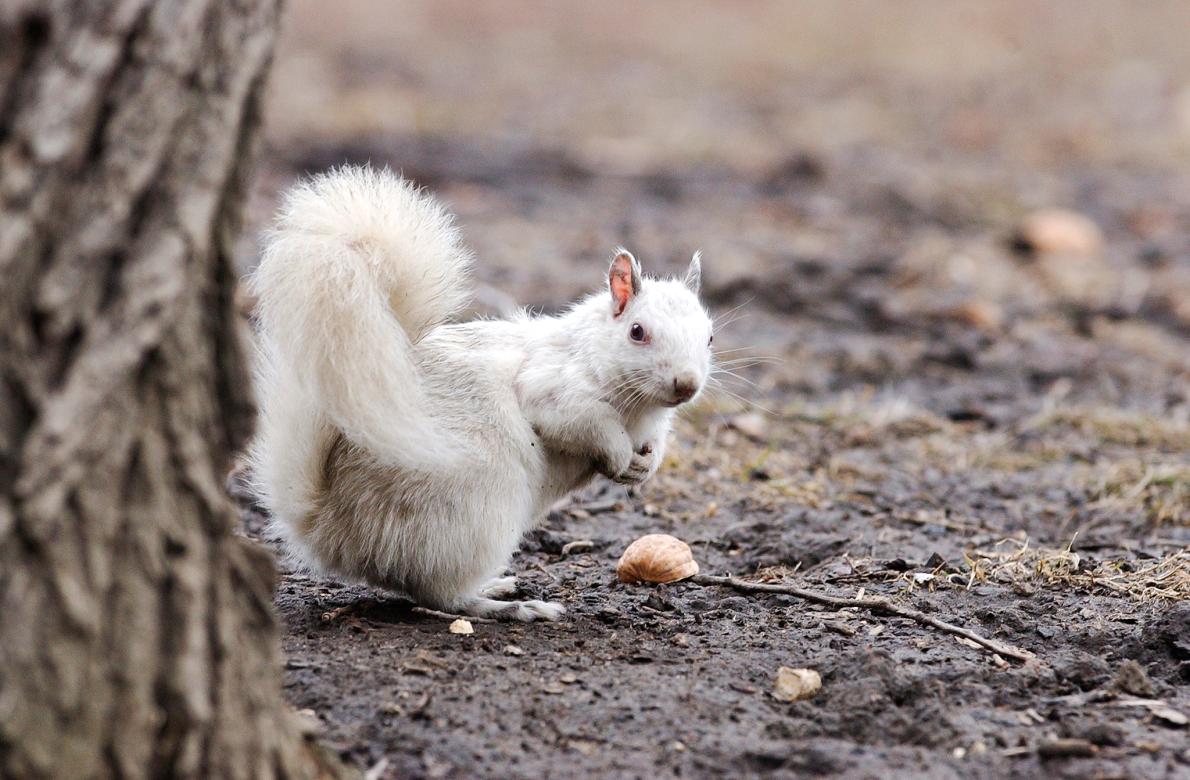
137, 634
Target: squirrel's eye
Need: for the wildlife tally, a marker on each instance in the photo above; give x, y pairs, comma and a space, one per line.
637, 332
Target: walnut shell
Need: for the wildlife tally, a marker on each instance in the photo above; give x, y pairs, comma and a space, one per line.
656, 558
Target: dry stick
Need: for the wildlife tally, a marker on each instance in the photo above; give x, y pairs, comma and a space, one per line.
450, 615
332, 615
872, 604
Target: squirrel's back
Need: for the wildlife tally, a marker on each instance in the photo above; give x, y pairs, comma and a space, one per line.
358, 267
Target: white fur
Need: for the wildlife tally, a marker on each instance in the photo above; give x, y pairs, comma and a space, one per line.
412, 454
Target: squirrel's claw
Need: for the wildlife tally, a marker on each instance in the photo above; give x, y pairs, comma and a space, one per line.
640, 468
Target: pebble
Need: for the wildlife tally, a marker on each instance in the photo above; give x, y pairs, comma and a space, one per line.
796, 684
1131, 678
1170, 716
1060, 232
751, 424
462, 626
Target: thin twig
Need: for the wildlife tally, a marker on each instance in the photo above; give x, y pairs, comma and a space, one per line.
362, 605
330, 616
873, 604
450, 615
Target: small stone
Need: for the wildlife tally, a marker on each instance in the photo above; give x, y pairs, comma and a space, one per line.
1060, 232
462, 626
751, 424
796, 684
979, 314
584, 746
513, 650
1103, 735
1131, 678
659, 602
1170, 716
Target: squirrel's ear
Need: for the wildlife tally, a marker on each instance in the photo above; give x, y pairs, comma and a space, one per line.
693, 278
623, 279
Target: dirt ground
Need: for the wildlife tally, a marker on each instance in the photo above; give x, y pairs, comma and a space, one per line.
927, 407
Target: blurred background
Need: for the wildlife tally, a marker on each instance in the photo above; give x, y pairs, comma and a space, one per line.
949, 239
873, 181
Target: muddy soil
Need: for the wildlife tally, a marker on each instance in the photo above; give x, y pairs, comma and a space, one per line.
928, 410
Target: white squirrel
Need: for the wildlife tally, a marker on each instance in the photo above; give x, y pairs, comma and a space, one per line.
413, 454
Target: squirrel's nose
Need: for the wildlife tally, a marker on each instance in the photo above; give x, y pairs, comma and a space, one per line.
685, 386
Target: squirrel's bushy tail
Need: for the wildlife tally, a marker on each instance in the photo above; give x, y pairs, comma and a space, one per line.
359, 266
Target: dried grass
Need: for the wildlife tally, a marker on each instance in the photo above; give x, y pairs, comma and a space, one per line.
1160, 491
1166, 578
1119, 426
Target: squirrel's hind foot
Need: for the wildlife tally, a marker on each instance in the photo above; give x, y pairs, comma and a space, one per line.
528, 611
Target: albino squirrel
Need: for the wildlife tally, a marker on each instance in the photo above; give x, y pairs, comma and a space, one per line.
413, 454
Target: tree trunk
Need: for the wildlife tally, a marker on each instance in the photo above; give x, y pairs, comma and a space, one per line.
137, 633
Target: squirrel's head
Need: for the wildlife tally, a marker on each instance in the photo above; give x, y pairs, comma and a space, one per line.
661, 334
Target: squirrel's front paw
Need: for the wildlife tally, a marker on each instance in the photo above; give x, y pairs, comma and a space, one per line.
616, 460
640, 467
